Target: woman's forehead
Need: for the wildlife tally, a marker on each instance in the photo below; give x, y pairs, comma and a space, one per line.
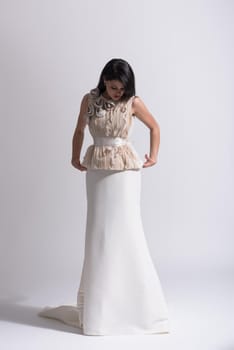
117, 83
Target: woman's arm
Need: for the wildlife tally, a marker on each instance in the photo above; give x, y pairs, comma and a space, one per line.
78, 136
141, 112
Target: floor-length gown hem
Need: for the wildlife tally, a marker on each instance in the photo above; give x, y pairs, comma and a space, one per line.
69, 315
161, 328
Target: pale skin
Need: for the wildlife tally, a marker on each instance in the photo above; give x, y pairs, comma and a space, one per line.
115, 90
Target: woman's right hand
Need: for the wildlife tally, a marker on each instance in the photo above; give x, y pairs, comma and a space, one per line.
77, 165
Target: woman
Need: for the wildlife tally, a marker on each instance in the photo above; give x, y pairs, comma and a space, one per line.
119, 292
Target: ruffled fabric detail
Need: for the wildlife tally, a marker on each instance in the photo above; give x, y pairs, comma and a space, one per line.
106, 118
122, 157
98, 104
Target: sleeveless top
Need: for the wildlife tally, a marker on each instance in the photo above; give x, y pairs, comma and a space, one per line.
110, 125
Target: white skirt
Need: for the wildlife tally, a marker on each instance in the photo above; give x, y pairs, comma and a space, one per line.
119, 291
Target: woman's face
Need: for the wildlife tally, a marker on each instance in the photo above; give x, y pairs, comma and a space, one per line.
114, 89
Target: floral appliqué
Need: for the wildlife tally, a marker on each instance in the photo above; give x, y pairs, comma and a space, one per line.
98, 105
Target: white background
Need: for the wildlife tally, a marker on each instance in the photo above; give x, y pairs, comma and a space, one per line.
52, 53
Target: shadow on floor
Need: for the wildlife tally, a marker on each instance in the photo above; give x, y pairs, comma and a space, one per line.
13, 311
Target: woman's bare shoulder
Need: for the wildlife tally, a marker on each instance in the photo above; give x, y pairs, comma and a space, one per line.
86, 97
136, 100
84, 100
137, 103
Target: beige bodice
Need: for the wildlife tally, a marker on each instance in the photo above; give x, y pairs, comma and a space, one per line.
110, 125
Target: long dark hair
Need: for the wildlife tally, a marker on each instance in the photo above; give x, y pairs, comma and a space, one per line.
118, 69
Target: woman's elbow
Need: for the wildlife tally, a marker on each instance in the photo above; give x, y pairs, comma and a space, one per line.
155, 128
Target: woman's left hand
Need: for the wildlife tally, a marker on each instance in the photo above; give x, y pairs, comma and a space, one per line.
149, 161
